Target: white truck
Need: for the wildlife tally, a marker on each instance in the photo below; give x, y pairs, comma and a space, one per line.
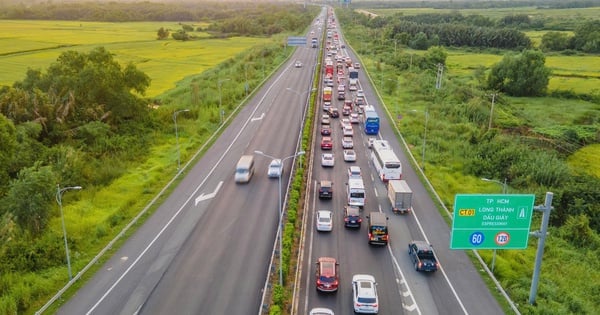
400, 196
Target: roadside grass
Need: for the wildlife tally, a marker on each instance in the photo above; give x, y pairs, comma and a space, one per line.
36, 44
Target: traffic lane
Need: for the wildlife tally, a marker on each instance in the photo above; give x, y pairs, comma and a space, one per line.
470, 288
228, 252
263, 135
353, 252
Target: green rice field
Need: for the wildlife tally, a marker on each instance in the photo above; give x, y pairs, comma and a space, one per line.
36, 44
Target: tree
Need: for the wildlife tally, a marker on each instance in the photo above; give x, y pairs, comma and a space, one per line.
31, 196
523, 74
9, 146
555, 41
87, 87
162, 33
436, 55
587, 37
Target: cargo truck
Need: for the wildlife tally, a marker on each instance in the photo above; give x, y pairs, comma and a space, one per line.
327, 91
400, 196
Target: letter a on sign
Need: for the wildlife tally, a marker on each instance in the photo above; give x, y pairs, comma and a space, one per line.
522, 213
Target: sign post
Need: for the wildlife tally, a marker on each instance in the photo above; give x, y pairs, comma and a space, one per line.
491, 221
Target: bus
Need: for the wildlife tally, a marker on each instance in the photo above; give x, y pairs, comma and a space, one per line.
371, 120
356, 192
386, 162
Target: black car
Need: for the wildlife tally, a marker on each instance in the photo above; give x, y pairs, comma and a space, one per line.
422, 256
352, 217
333, 112
325, 189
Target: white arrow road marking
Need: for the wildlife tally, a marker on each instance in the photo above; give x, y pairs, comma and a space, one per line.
203, 197
258, 118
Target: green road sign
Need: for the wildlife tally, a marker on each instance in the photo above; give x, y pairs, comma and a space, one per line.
491, 221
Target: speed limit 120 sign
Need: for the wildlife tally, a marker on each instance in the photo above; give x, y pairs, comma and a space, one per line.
502, 238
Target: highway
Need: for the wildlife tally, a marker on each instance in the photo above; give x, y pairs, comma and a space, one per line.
207, 248
457, 288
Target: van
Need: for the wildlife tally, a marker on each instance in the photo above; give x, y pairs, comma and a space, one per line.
377, 228
244, 169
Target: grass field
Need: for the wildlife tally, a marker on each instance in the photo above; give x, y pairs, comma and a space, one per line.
580, 74
36, 44
497, 13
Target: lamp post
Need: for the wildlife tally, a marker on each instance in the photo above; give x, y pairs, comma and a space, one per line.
219, 83
504, 191
279, 226
59, 192
300, 94
177, 136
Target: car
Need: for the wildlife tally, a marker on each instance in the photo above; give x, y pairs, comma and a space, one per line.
326, 143
333, 112
360, 93
321, 311
275, 168
325, 189
344, 122
348, 131
326, 106
347, 143
325, 119
327, 274
356, 65
422, 255
370, 142
346, 110
324, 221
327, 160
364, 294
352, 217
349, 156
354, 118
354, 172
348, 103
343, 46
298, 64
359, 101
325, 130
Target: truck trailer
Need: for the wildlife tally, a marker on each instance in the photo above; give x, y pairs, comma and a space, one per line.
400, 196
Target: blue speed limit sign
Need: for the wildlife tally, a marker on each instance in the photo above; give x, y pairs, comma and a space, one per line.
476, 238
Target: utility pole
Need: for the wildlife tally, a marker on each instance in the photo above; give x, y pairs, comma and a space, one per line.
541, 234
492, 111
440, 74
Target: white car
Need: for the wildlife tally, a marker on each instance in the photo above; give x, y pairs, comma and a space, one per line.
327, 160
360, 93
325, 119
275, 168
370, 142
349, 156
321, 311
354, 172
354, 118
298, 64
347, 143
364, 294
348, 131
345, 122
324, 221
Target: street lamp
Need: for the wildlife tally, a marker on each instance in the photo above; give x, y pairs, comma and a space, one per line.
220, 98
279, 228
59, 192
177, 136
300, 94
504, 191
